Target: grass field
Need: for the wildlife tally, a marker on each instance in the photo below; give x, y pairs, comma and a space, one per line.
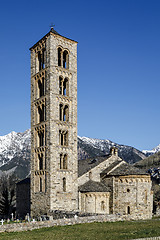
91, 231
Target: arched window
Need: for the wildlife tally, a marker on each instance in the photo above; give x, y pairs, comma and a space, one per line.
41, 112
66, 114
40, 138
66, 138
59, 57
41, 88
65, 59
41, 60
102, 206
63, 161
60, 137
64, 184
61, 112
60, 85
63, 138
128, 210
65, 87
40, 184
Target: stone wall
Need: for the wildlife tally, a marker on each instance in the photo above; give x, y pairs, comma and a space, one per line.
131, 195
18, 227
94, 202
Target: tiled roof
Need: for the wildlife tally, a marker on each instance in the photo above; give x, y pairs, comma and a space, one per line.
92, 186
87, 164
124, 169
111, 166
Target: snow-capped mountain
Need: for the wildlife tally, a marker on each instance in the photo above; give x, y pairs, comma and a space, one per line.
153, 151
15, 151
12, 145
96, 147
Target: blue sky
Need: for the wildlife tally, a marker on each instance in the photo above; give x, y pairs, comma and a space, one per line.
118, 65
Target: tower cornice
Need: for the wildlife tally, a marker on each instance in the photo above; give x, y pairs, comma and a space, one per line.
54, 33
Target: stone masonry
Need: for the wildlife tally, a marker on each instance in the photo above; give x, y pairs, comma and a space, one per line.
53, 124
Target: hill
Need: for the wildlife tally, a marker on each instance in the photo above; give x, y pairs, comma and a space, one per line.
152, 161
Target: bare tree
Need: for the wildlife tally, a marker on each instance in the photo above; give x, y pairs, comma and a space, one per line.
7, 195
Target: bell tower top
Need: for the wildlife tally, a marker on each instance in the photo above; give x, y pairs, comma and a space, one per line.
51, 32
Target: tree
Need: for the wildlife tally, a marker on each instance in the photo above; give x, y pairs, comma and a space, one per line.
7, 195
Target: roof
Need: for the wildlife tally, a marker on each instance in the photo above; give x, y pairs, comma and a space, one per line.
92, 186
87, 164
123, 170
111, 166
24, 181
52, 31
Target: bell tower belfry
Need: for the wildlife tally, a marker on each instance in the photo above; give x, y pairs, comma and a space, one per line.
54, 125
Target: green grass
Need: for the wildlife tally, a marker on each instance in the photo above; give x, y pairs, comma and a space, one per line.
91, 231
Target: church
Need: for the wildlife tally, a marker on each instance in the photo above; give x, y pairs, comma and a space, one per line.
103, 185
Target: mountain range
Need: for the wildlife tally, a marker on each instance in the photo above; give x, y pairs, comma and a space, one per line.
15, 152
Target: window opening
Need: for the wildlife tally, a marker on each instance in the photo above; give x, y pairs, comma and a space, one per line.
63, 138
43, 57
41, 88
65, 59
41, 138
128, 210
102, 206
61, 112
64, 184
65, 114
60, 85
40, 187
60, 138
41, 60
61, 161
40, 157
65, 161
59, 57
41, 111
65, 87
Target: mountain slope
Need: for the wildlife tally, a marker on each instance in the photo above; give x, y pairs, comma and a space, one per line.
15, 151
152, 161
95, 147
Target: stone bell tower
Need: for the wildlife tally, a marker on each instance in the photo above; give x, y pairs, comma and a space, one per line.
53, 125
